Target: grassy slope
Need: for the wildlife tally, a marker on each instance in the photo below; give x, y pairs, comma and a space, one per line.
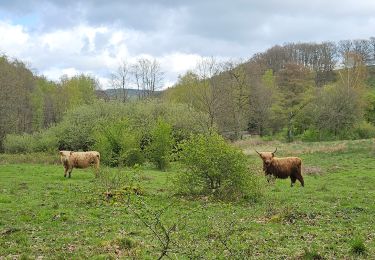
43, 214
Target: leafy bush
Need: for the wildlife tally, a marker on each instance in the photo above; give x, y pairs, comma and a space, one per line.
365, 130
117, 184
160, 148
114, 140
214, 167
79, 127
19, 143
26, 143
310, 135
132, 157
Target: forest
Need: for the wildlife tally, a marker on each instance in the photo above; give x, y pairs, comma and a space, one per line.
294, 91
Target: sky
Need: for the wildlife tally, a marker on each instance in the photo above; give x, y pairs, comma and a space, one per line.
69, 37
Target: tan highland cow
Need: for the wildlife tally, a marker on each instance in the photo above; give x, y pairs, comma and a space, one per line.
71, 160
282, 167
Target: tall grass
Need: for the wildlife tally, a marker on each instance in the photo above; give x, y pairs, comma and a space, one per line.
33, 158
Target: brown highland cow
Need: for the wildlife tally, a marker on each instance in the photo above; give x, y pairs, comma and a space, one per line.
282, 168
71, 160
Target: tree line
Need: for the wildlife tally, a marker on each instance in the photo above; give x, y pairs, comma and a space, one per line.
30, 103
298, 90
312, 91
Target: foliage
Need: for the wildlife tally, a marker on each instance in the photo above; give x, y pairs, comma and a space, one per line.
160, 147
114, 140
214, 167
132, 157
364, 130
44, 141
116, 185
310, 135
338, 109
31, 103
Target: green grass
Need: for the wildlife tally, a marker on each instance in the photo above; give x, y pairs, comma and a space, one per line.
43, 214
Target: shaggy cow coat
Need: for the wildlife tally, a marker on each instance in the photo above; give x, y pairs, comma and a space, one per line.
282, 167
71, 160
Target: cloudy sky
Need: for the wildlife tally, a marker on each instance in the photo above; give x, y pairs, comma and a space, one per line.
72, 36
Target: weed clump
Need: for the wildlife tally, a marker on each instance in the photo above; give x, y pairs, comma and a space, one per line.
311, 254
358, 246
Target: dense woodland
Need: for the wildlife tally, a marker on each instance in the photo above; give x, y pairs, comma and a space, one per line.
295, 91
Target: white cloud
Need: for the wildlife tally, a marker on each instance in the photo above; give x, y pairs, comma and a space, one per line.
14, 38
77, 50
94, 36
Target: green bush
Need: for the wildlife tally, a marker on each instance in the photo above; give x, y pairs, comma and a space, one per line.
310, 135
44, 141
132, 157
79, 127
213, 167
365, 130
160, 147
24, 143
114, 140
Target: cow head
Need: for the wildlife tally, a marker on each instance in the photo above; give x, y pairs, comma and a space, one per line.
267, 157
65, 154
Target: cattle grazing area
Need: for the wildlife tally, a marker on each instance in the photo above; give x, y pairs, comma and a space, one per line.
135, 213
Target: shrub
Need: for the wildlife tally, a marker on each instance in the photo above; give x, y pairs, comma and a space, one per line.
214, 167
310, 135
117, 184
114, 140
132, 157
365, 130
160, 148
24, 143
79, 126
44, 141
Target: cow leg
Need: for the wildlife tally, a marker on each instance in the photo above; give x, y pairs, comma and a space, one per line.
293, 180
300, 178
70, 172
65, 171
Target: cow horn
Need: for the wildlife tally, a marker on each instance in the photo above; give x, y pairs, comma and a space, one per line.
275, 151
257, 151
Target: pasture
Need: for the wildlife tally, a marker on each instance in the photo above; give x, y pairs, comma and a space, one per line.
44, 215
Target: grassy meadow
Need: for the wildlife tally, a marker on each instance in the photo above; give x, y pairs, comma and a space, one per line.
44, 215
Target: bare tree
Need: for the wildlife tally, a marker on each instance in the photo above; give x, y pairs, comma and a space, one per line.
372, 44
363, 48
207, 91
148, 77
120, 80
238, 93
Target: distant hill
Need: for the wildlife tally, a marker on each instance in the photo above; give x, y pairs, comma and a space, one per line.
117, 93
